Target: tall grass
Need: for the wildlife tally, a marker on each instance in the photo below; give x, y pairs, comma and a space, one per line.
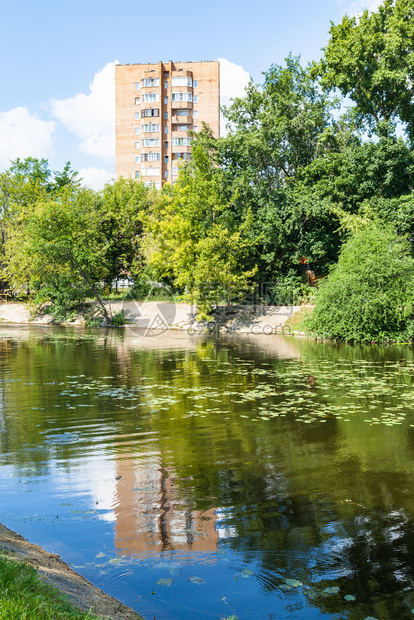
24, 596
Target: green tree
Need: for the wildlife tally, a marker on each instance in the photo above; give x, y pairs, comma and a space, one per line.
191, 238
124, 203
56, 251
370, 59
275, 132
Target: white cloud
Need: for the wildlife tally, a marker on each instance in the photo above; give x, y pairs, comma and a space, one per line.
95, 177
92, 117
233, 81
23, 134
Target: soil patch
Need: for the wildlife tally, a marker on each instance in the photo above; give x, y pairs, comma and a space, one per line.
52, 569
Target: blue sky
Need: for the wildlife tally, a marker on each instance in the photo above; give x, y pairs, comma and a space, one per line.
57, 58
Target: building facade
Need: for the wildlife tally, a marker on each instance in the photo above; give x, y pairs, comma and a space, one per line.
156, 106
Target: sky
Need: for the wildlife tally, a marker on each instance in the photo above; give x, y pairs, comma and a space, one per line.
57, 62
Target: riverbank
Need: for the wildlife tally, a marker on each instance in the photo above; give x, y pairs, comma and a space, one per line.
254, 320
58, 574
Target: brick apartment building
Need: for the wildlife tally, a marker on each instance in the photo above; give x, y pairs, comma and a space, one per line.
156, 105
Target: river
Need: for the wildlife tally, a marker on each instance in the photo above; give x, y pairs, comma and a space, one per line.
200, 477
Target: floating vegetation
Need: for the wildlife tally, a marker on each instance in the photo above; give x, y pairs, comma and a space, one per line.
165, 582
196, 580
294, 583
247, 572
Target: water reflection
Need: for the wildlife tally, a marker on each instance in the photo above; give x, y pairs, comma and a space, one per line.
263, 478
151, 516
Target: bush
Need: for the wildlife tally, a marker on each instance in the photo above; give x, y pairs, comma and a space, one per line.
119, 318
369, 293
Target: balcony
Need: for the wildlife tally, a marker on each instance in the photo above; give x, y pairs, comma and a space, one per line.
182, 120
179, 105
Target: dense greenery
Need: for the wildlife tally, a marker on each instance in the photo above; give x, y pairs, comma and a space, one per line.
24, 595
251, 207
369, 294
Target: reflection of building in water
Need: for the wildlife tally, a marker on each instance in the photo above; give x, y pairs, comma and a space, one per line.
150, 516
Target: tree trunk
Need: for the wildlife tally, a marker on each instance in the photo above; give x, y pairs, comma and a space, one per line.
95, 292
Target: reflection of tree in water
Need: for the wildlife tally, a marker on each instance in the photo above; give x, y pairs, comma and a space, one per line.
325, 503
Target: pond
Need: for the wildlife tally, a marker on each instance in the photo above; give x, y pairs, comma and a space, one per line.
193, 477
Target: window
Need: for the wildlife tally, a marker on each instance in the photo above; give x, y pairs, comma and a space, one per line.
151, 157
181, 156
195, 128
183, 112
165, 129
150, 127
136, 100
152, 184
148, 82
165, 100
181, 97
166, 174
137, 174
195, 98
165, 84
195, 114
181, 141
181, 81
174, 170
150, 172
136, 85
166, 74
150, 98
182, 128
151, 142
137, 130
137, 145
137, 116
166, 159
195, 83
166, 144
150, 112
137, 159
165, 115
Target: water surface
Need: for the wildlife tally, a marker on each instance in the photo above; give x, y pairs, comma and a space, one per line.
256, 478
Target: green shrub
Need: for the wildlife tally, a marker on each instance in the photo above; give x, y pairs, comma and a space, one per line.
369, 293
119, 318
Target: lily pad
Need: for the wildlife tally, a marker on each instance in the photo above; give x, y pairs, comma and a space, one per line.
247, 572
349, 597
331, 590
294, 583
165, 582
284, 586
196, 579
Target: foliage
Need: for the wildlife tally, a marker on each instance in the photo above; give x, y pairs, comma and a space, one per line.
369, 294
275, 132
361, 171
54, 249
119, 318
191, 238
370, 59
123, 203
24, 595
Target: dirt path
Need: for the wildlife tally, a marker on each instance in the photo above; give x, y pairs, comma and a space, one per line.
51, 568
152, 315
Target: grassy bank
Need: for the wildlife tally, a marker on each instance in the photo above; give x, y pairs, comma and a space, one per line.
296, 322
23, 595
